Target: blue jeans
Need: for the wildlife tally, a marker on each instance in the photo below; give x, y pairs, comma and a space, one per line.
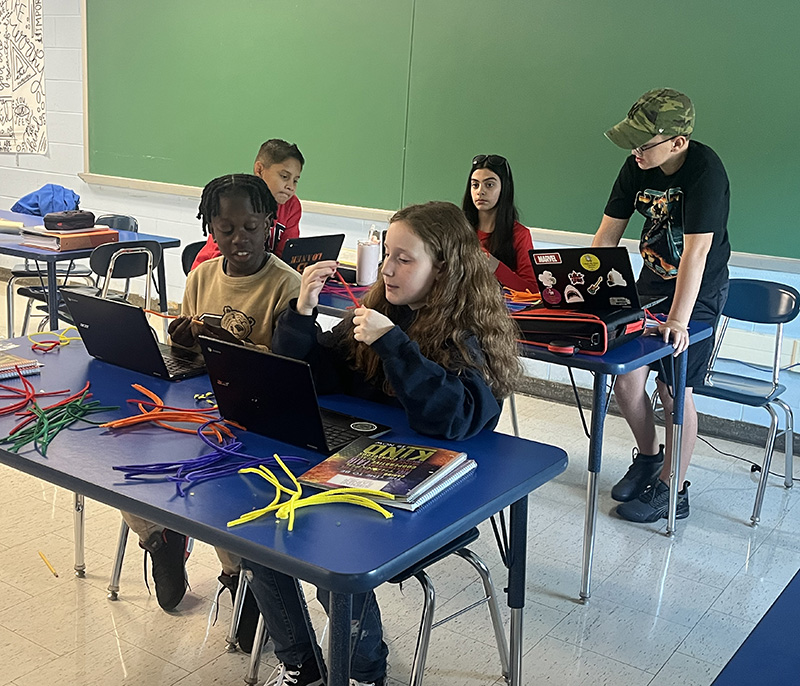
277, 599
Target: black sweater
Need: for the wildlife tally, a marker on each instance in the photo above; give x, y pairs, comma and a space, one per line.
449, 404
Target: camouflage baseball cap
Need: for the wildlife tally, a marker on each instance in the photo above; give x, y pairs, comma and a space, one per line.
661, 111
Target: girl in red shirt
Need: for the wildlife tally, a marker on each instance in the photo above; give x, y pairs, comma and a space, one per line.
489, 206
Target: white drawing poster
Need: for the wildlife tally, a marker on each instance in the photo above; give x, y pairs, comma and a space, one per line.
22, 108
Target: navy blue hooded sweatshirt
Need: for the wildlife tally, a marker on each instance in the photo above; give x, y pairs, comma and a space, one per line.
451, 404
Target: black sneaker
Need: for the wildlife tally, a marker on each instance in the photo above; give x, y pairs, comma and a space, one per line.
248, 620
306, 674
640, 475
168, 553
653, 504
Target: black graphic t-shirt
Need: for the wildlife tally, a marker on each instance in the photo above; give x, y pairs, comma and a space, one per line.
695, 199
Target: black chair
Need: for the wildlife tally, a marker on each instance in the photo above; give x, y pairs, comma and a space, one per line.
188, 255
760, 302
120, 222
126, 260
30, 269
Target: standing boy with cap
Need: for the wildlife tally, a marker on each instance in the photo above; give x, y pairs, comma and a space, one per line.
681, 188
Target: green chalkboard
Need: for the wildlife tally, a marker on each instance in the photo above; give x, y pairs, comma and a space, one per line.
182, 91
390, 99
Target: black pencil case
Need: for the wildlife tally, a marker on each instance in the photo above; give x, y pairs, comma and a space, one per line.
70, 220
593, 334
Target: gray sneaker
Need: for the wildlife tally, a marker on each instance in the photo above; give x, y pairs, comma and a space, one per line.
642, 472
653, 504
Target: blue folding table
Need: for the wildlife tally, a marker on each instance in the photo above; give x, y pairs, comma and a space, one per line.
626, 358
11, 245
342, 548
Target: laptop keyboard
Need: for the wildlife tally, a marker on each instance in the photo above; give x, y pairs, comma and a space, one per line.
337, 436
175, 365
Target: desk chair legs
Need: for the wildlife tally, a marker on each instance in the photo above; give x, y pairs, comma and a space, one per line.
255, 656
113, 585
236, 614
78, 527
258, 641
512, 399
116, 572
429, 606
788, 434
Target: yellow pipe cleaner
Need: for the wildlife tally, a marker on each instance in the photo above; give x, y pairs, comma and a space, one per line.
286, 509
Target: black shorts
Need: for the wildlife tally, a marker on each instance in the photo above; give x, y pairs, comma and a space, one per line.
707, 311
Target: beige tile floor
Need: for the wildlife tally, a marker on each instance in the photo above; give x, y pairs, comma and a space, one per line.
663, 612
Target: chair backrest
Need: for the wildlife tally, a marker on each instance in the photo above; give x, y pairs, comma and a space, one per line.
759, 302
126, 260
126, 266
188, 255
120, 222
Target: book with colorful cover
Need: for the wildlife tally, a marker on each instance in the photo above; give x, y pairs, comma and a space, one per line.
413, 474
9, 363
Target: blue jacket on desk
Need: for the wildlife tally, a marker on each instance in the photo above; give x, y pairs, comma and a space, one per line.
448, 404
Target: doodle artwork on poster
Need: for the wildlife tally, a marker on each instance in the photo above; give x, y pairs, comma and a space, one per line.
22, 106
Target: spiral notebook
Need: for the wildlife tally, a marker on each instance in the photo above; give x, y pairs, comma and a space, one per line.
10, 363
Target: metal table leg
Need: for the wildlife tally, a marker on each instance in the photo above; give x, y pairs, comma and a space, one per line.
52, 296
514, 420
341, 607
162, 293
677, 436
599, 409
78, 527
516, 584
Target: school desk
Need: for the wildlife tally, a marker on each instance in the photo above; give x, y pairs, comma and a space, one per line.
627, 357
10, 245
343, 548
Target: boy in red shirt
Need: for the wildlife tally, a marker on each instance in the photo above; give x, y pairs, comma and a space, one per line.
279, 164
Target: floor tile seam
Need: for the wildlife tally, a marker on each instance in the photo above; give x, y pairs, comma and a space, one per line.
735, 616
705, 662
686, 577
115, 625
593, 651
131, 644
694, 657
53, 655
528, 607
639, 611
650, 614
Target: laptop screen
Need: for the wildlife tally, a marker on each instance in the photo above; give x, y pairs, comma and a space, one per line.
589, 279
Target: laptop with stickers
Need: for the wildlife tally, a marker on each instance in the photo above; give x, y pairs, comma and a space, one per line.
588, 279
275, 396
298, 253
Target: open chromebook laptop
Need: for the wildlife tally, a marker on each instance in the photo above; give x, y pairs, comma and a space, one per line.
119, 333
275, 396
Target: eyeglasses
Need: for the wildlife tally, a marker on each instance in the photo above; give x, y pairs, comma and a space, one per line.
644, 148
495, 160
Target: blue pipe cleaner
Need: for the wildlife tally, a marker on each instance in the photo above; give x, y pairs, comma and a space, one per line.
223, 460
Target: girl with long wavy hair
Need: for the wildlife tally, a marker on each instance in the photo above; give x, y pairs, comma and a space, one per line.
432, 335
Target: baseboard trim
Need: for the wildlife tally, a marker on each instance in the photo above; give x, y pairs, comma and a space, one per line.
709, 426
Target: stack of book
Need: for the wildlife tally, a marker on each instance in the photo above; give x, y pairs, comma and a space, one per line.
61, 241
413, 474
10, 226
